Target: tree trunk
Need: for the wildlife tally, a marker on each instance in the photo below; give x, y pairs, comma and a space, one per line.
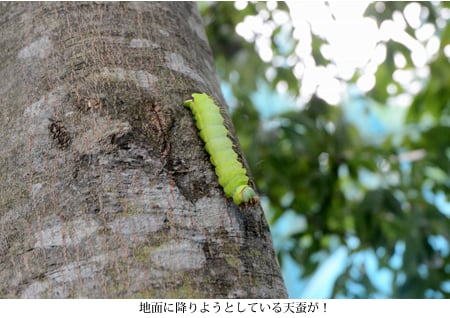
105, 188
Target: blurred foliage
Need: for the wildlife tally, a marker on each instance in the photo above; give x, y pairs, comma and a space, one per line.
315, 162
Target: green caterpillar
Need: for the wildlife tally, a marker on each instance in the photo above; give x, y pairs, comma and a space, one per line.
232, 175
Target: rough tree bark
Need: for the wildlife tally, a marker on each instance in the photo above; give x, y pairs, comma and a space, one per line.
105, 188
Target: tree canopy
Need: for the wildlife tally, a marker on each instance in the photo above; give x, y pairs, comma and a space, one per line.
356, 158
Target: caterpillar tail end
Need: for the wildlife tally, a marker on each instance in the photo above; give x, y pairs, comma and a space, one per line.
245, 194
188, 103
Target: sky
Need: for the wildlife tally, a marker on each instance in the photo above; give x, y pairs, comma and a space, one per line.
351, 51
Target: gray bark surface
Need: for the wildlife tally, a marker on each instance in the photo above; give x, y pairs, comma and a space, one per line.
105, 188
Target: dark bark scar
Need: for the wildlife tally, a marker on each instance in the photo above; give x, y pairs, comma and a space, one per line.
162, 127
59, 133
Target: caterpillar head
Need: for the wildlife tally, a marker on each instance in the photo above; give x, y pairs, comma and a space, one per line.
244, 194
